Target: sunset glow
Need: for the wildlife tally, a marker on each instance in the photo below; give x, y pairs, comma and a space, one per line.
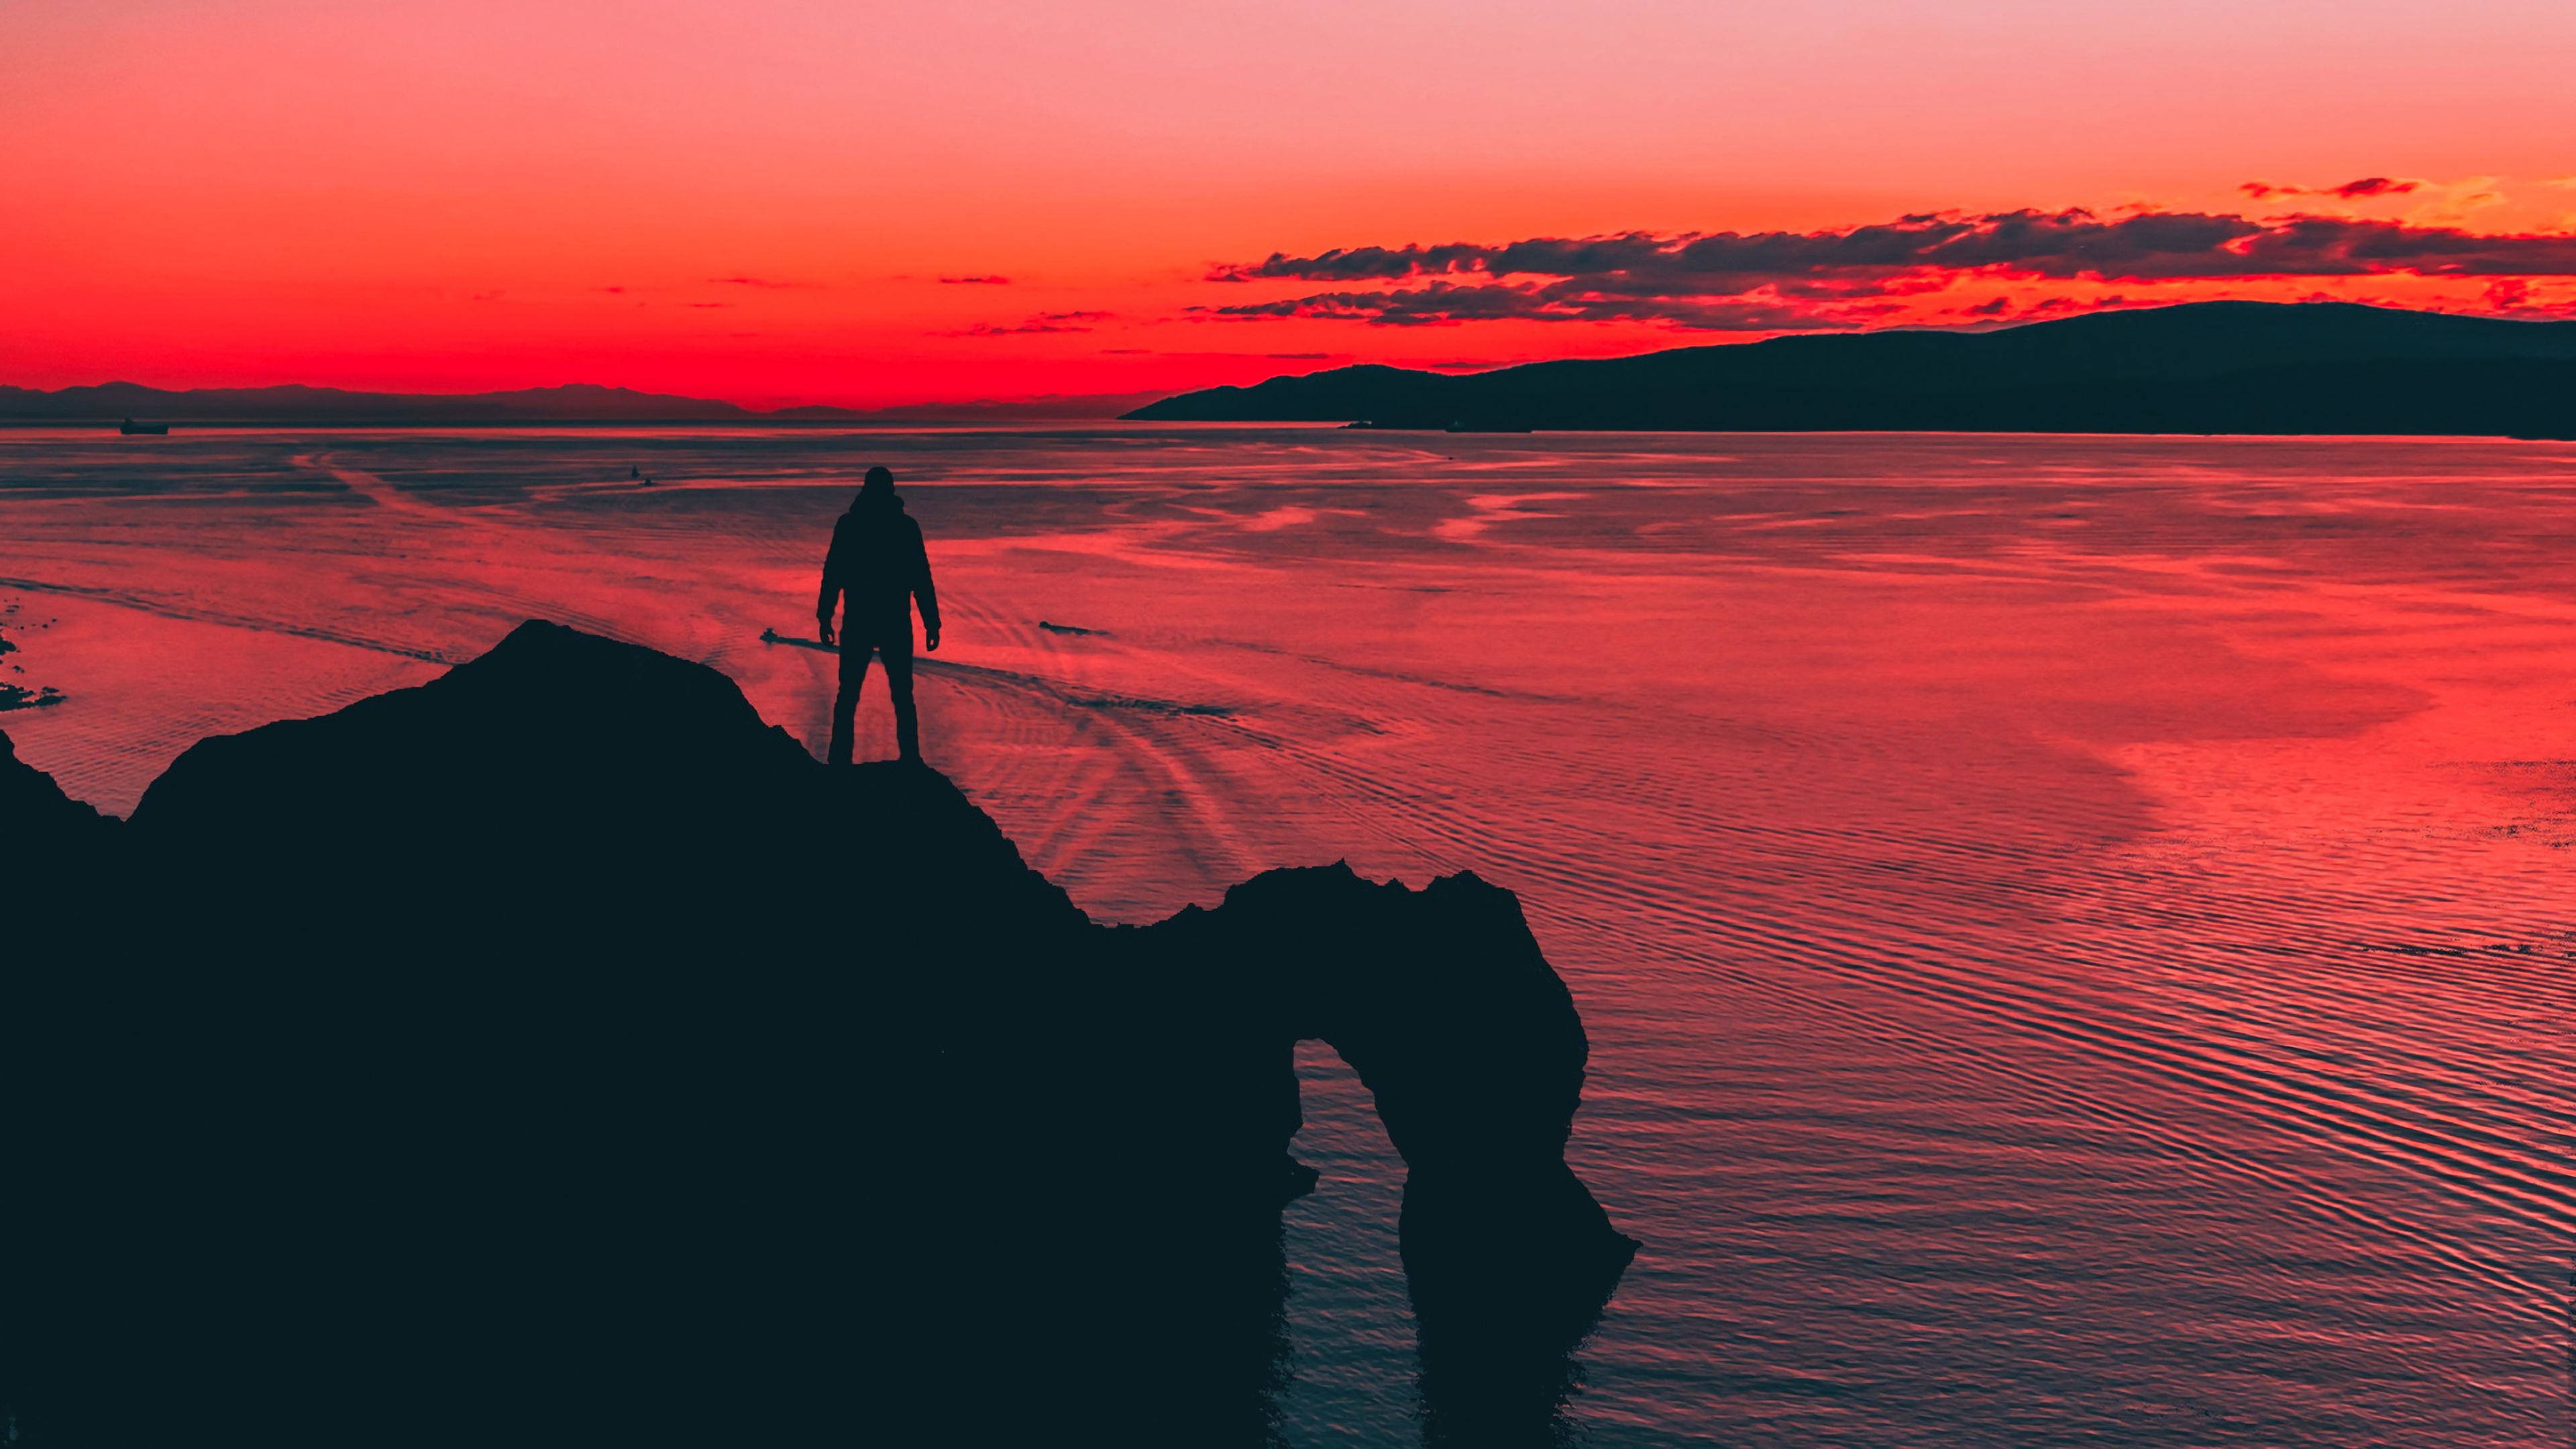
797, 202
1199, 725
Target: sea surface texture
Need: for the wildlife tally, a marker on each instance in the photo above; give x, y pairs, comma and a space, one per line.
2075, 932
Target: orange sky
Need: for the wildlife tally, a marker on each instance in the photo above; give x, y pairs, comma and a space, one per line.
757, 200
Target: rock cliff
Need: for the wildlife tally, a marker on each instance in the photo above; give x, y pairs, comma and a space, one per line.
556, 1053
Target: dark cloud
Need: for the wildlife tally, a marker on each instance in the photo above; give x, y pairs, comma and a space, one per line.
2068, 306
2513, 297
974, 281
1777, 281
2366, 187
1042, 322
2156, 245
1447, 304
762, 283
1999, 309
1227, 356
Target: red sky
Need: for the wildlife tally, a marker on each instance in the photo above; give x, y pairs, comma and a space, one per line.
759, 200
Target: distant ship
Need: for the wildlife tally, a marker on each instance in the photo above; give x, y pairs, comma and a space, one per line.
131, 426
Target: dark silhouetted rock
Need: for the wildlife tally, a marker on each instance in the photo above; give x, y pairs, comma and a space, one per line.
556, 1053
36, 818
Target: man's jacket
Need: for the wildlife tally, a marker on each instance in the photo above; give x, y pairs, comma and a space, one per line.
877, 561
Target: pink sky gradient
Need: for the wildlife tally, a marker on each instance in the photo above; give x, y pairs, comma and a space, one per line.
758, 201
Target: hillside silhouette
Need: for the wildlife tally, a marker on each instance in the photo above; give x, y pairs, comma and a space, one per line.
2202, 367
295, 404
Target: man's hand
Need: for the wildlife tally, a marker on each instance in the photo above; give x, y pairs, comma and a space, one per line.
823, 630
933, 640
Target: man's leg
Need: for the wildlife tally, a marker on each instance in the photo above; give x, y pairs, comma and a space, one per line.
907, 723
845, 704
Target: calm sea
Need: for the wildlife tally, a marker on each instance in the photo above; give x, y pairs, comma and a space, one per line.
2075, 932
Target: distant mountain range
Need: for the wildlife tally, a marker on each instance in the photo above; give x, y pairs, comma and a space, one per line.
2202, 367
572, 403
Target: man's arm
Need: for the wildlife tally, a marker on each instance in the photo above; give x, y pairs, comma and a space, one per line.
924, 592
831, 594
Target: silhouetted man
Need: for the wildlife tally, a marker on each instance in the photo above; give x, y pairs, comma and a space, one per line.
877, 564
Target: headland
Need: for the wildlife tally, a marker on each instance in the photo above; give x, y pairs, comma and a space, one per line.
556, 1052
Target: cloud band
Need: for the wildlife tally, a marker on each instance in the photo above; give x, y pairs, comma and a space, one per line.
1832, 279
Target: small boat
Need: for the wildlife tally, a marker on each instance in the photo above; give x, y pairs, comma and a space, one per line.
132, 427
